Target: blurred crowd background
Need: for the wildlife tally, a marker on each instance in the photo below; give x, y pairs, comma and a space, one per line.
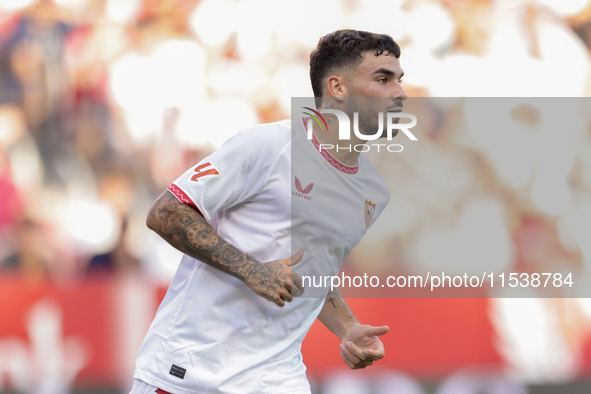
103, 103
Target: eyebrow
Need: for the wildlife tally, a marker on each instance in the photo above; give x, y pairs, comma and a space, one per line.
386, 71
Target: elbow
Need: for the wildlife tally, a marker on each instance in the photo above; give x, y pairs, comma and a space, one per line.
165, 213
151, 220
160, 212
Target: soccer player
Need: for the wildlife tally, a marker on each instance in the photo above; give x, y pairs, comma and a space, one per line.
236, 313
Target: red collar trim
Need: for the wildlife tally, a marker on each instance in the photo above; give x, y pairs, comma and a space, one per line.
329, 157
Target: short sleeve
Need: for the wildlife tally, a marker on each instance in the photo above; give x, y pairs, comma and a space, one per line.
231, 175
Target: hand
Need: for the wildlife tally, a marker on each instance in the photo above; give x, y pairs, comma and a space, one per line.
276, 281
361, 345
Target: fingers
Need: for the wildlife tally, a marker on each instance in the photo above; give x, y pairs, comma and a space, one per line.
296, 258
279, 286
277, 300
280, 297
348, 357
286, 296
364, 354
297, 285
374, 354
351, 360
356, 351
376, 331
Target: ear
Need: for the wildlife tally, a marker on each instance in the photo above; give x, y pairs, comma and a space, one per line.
336, 86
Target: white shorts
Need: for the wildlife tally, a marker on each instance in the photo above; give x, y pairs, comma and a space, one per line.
140, 387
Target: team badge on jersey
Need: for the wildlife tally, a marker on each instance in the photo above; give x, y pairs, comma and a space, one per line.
369, 210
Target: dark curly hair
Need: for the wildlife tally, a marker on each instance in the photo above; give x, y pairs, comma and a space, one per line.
344, 48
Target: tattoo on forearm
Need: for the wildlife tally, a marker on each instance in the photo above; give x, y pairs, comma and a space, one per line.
336, 300
201, 236
188, 231
331, 300
333, 295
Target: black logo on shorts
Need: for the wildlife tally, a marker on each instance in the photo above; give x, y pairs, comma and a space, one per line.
177, 371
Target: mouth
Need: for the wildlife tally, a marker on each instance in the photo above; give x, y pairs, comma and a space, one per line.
395, 109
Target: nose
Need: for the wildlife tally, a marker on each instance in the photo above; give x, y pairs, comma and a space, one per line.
398, 93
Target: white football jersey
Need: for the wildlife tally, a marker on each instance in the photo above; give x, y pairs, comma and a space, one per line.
267, 191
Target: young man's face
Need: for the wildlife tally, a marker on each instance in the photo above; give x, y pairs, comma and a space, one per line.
377, 78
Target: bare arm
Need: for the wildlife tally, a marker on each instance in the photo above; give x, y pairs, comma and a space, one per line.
360, 345
336, 315
186, 230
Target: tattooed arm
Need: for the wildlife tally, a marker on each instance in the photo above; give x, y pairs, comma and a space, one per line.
186, 230
336, 314
360, 345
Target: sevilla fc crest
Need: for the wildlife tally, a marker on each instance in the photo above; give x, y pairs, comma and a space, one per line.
369, 210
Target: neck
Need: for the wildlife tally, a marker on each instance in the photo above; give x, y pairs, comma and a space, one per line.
342, 150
